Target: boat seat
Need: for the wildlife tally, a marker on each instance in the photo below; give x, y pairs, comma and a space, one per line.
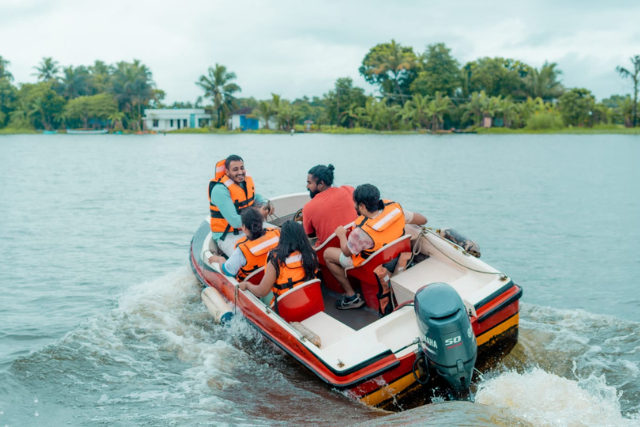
255, 277
301, 302
332, 242
364, 272
329, 329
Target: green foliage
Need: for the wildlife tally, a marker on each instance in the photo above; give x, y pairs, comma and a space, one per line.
634, 76
476, 108
19, 120
41, 104
47, 70
391, 66
75, 82
543, 83
576, 107
495, 77
430, 91
440, 72
343, 101
100, 106
622, 109
219, 87
8, 99
4, 73
544, 120
132, 86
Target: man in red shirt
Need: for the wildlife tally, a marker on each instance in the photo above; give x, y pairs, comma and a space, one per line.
329, 207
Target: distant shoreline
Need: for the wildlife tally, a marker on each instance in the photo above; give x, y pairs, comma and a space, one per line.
597, 130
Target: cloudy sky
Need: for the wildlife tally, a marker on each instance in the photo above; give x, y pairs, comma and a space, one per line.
297, 48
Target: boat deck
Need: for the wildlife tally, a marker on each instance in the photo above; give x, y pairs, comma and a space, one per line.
356, 318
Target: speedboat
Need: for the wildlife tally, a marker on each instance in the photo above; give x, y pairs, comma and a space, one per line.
453, 316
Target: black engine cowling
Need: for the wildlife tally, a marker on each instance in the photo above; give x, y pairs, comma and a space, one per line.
447, 340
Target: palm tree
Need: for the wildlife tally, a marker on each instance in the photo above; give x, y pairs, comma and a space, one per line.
217, 85
625, 109
100, 76
4, 74
47, 70
407, 114
544, 83
116, 118
385, 115
264, 112
132, 87
75, 82
420, 106
349, 116
509, 111
367, 114
38, 110
634, 76
475, 108
436, 109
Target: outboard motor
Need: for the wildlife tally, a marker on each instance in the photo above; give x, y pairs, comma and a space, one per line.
447, 340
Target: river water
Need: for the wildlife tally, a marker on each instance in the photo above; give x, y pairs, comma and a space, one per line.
101, 321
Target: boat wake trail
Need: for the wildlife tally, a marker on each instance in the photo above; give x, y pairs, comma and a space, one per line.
570, 367
545, 399
157, 358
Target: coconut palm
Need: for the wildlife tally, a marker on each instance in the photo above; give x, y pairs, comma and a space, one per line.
367, 114
218, 86
436, 109
475, 108
100, 76
508, 110
264, 112
634, 75
544, 83
4, 74
626, 110
132, 87
419, 106
47, 70
386, 115
407, 114
349, 117
530, 107
75, 82
116, 118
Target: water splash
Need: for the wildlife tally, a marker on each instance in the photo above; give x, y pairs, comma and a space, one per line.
545, 399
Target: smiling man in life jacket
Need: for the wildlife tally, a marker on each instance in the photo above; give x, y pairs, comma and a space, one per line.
380, 222
230, 191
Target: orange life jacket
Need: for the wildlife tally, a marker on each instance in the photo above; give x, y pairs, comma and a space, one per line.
291, 275
241, 199
386, 227
256, 251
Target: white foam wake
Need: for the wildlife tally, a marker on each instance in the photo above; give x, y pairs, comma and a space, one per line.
545, 399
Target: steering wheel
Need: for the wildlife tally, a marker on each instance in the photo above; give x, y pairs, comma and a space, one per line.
298, 216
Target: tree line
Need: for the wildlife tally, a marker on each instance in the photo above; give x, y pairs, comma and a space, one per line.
428, 90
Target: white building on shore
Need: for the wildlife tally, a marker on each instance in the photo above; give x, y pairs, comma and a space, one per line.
168, 119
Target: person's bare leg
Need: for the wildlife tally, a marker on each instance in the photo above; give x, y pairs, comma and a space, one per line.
332, 257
